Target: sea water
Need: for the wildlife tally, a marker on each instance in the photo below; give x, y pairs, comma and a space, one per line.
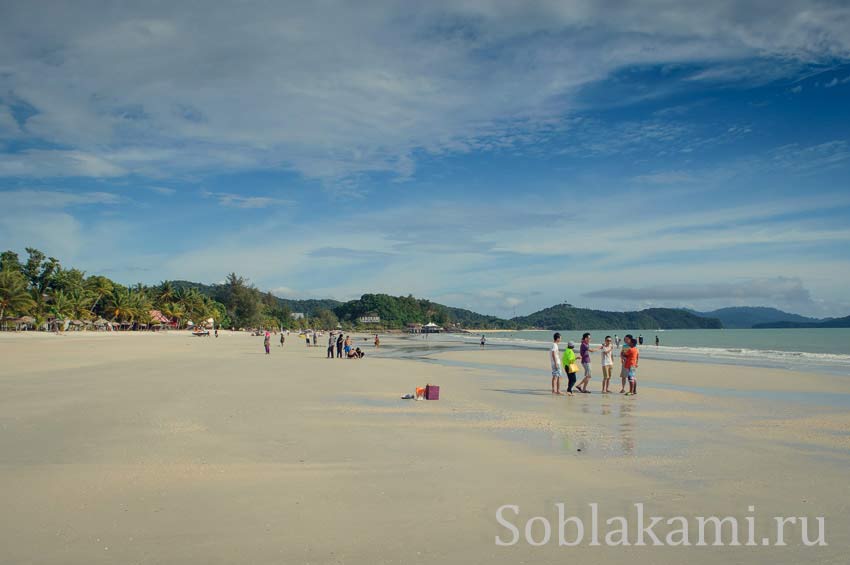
811, 349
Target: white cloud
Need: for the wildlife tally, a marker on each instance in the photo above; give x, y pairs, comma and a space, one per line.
777, 288
56, 163
42, 219
160, 89
246, 202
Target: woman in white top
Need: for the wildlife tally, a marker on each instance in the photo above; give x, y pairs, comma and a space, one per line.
607, 363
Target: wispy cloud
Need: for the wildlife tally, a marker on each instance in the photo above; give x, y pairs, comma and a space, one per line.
778, 288
246, 202
372, 99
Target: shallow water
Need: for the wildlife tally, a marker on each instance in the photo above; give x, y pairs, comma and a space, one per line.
807, 350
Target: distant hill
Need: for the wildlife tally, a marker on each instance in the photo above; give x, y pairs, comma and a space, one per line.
308, 307
568, 317
398, 311
750, 316
831, 323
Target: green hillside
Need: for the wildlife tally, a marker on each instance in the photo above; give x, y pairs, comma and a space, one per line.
832, 323
568, 317
751, 316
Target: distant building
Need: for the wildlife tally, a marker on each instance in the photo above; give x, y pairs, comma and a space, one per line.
431, 328
297, 315
370, 318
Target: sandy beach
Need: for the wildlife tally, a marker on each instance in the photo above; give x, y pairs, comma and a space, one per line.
166, 448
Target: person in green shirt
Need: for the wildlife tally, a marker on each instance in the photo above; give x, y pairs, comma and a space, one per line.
569, 360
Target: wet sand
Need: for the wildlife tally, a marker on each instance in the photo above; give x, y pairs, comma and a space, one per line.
145, 448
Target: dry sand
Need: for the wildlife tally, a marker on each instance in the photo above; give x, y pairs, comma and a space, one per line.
166, 448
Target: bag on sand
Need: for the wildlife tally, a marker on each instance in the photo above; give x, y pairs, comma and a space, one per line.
432, 392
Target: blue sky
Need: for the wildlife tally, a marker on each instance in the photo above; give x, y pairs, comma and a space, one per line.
497, 156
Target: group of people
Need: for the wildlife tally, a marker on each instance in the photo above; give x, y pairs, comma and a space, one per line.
566, 363
344, 347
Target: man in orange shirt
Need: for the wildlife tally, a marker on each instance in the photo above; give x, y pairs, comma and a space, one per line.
631, 357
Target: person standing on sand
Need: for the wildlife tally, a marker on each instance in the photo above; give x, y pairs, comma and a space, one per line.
555, 358
607, 364
314, 339
377, 341
339, 340
483, 341
640, 339
617, 341
657, 341
569, 360
267, 343
331, 342
631, 364
585, 350
624, 372
282, 339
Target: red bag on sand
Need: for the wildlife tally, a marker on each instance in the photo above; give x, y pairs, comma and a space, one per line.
432, 392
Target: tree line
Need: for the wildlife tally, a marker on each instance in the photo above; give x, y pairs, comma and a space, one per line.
40, 287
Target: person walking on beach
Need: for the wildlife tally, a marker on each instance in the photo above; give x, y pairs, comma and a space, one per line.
555, 358
483, 341
657, 341
377, 341
617, 341
585, 350
569, 360
339, 346
267, 343
331, 342
631, 364
314, 339
640, 339
607, 364
282, 339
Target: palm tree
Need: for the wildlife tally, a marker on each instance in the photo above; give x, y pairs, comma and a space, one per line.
101, 287
141, 305
61, 304
80, 300
120, 305
174, 311
13, 292
165, 292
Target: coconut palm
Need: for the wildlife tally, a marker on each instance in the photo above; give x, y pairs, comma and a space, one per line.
80, 300
120, 304
141, 304
61, 305
13, 293
174, 311
165, 292
101, 287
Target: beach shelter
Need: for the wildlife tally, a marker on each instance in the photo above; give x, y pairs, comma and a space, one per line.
431, 328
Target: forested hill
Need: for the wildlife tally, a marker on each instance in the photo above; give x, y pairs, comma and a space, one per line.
833, 323
399, 311
568, 317
309, 307
753, 316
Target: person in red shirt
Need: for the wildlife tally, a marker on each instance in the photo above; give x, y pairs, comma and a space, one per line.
630, 363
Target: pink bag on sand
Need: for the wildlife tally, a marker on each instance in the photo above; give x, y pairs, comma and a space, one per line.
432, 392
